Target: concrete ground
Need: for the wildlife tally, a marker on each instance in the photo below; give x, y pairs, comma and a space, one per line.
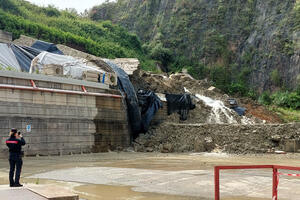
36, 192
18, 193
158, 176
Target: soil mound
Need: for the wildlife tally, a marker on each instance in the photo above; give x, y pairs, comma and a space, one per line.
212, 125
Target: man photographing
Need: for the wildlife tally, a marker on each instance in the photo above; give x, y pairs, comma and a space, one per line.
15, 143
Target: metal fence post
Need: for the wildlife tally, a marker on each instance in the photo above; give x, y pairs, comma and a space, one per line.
275, 183
217, 183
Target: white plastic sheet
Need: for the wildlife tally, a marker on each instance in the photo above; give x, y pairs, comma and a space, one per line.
72, 67
8, 59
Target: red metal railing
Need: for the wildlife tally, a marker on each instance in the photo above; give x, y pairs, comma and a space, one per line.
35, 88
275, 169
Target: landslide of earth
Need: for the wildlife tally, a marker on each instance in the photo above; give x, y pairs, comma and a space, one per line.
250, 42
259, 131
180, 83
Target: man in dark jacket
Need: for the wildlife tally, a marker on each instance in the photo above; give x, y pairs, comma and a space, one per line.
15, 143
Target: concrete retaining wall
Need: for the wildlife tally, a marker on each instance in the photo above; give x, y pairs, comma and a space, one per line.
62, 123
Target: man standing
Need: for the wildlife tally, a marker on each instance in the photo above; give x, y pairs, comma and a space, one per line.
15, 143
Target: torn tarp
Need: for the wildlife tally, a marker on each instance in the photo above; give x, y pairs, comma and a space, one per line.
149, 104
180, 103
126, 87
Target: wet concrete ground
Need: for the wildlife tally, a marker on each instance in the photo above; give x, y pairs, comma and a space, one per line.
157, 176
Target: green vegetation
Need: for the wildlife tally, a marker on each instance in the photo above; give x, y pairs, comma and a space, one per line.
66, 27
281, 99
275, 77
286, 114
229, 42
224, 41
285, 104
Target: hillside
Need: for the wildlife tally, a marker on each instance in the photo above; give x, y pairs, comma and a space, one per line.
236, 43
65, 27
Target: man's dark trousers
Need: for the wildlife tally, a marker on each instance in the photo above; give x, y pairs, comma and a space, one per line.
15, 162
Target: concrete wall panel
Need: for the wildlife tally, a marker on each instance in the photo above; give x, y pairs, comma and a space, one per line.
62, 123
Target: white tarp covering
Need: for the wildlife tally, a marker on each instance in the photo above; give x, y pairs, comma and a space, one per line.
72, 67
8, 59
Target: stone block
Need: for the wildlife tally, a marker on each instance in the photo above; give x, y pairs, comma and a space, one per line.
52, 69
38, 97
91, 101
13, 95
61, 99
71, 100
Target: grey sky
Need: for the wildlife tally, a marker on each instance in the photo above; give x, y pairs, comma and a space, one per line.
79, 5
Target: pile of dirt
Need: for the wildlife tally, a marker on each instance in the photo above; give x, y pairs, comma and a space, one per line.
162, 83
180, 83
212, 125
260, 111
230, 138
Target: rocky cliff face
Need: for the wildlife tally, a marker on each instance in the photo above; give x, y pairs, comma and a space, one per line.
256, 42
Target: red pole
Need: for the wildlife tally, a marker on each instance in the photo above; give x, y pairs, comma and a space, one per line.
217, 183
275, 183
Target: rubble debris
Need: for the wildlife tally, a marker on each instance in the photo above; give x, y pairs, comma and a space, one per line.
228, 138
212, 126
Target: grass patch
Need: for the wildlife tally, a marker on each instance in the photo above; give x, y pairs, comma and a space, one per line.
286, 114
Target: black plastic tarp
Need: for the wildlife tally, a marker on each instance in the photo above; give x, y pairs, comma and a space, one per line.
149, 104
234, 105
23, 56
45, 46
180, 103
239, 110
126, 87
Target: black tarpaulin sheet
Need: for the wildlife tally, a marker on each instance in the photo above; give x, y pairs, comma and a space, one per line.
126, 87
239, 110
180, 103
45, 46
149, 104
31, 50
23, 56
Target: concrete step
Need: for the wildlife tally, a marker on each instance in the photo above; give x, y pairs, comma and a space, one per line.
36, 192
7, 193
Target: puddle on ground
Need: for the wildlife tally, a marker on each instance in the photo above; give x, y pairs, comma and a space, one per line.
168, 162
105, 192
